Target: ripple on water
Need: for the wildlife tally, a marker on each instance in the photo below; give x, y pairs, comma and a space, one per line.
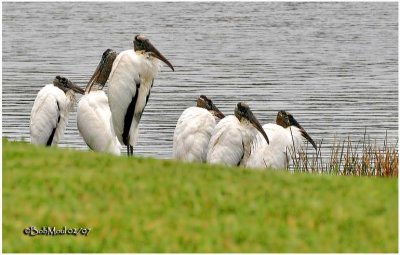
332, 65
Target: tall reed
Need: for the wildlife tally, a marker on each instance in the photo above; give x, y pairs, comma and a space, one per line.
362, 158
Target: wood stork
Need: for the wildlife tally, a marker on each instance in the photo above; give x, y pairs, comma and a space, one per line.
233, 137
130, 82
93, 113
193, 131
50, 111
285, 136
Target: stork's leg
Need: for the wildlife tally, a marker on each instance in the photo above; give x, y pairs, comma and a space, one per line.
129, 148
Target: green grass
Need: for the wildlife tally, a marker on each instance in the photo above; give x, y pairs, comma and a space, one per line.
149, 205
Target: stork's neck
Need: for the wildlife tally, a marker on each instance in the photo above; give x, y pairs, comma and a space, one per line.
70, 94
149, 66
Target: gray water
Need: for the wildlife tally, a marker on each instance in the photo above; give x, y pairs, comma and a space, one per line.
334, 66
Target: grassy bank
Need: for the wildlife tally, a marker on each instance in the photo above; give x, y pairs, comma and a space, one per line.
148, 205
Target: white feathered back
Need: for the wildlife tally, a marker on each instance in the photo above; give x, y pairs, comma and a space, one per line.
192, 134
94, 123
274, 154
51, 104
226, 143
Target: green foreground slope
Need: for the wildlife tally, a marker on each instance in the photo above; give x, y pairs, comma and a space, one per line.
149, 205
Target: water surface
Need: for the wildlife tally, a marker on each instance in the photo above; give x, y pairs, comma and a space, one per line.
334, 66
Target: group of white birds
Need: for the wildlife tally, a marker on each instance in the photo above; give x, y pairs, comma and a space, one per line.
202, 133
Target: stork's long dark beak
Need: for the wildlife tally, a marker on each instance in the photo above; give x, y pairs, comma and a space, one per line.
76, 88
93, 79
207, 104
253, 120
103, 70
294, 122
142, 43
219, 114
157, 54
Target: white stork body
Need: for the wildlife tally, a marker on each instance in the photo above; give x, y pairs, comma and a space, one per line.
50, 114
230, 142
286, 137
94, 123
192, 134
274, 154
130, 82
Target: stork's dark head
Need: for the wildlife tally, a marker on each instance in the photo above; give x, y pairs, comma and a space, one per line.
285, 119
282, 119
141, 43
243, 112
103, 70
64, 84
204, 102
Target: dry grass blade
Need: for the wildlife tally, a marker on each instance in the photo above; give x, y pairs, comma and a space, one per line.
347, 157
